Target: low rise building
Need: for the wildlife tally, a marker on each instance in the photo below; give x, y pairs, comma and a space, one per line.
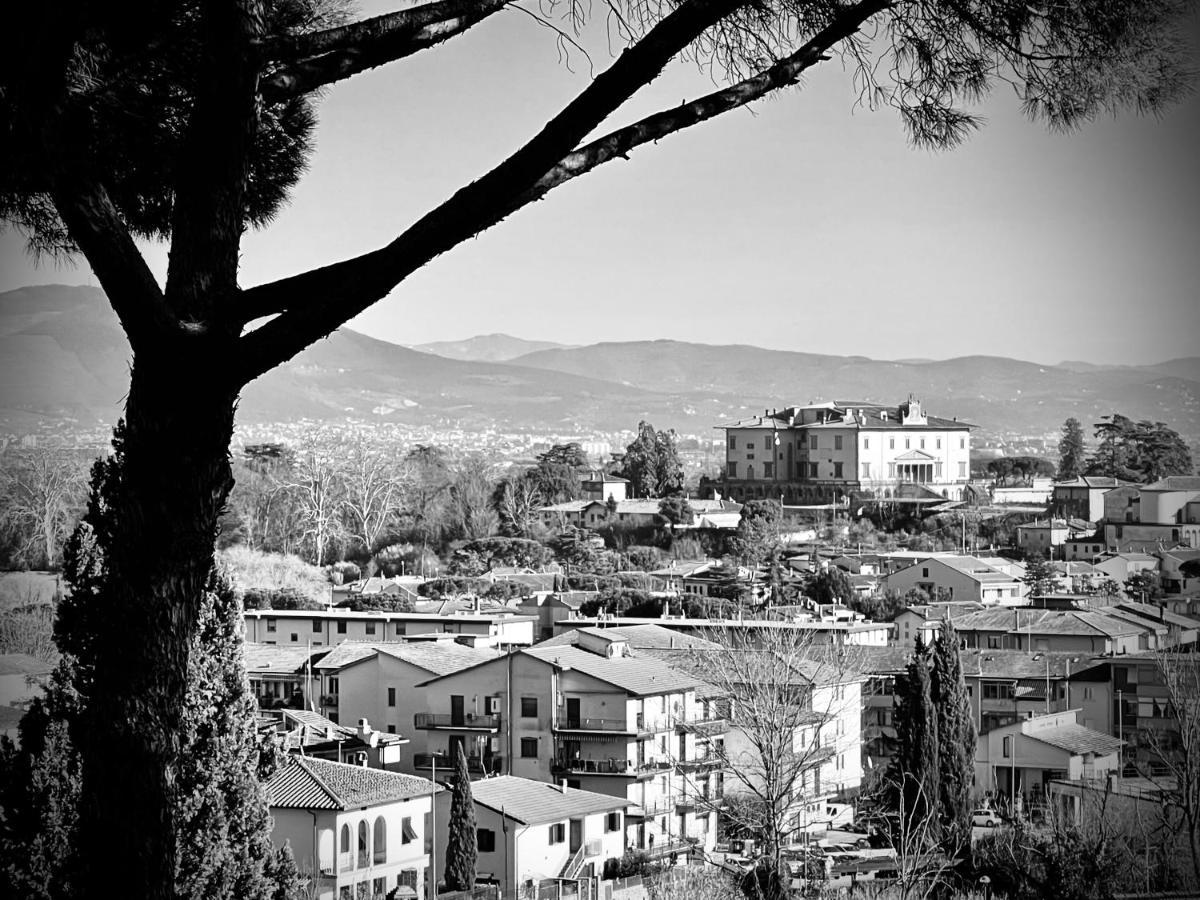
356, 831
988, 581
329, 627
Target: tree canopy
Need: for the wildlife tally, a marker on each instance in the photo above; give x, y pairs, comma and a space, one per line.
1071, 450
1138, 451
652, 463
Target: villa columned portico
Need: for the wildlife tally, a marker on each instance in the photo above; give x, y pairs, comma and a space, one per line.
916, 467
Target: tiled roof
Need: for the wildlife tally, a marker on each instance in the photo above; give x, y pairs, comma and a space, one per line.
1076, 739
305, 782
278, 658
1045, 621
23, 664
637, 675
439, 657
347, 653
1174, 483
639, 637
536, 802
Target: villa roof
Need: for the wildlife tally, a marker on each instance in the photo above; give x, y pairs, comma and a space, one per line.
637, 675
305, 782
1076, 739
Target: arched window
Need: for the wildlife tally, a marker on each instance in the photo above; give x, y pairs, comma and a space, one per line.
750, 472
380, 841
363, 844
345, 858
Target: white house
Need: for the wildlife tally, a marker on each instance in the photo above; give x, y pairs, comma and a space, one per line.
355, 831
529, 832
987, 581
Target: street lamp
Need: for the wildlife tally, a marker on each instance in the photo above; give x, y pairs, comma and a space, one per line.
987, 887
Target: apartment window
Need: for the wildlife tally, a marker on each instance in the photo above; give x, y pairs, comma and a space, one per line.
768, 470
558, 833
993, 642
408, 834
341, 627
295, 637
485, 840
837, 470
733, 442
1008, 747
939, 443
922, 443
866, 443
841, 761
891, 443
391, 696
732, 468
612, 822
866, 467
379, 886
529, 707
391, 728
370, 628
812, 441
837, 442
399, 628
529, 748
270, 625
1087, 693
812, 470
962, 443
749, 445
962, 470
316, 625
333, 685
924, 573
907, 443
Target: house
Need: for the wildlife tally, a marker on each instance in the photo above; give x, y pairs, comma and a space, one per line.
551, 608
859, 632
1049, 538
375, 681
829, 451
1016, 763
594, 714
1179, 572
1119, 567
604, 487
329, 627
925, 620
1165, 513
282, 675
1082, 498
360, 832
953, 577
533, 834
1067, 630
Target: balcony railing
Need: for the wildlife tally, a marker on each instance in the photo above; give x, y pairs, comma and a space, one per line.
488, 765
659, 807
594, 766
705, 727
451, 722
565, 722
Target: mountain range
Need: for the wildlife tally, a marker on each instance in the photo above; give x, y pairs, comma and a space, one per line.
64, 356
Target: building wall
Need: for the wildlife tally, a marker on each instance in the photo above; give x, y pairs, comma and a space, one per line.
279, 627
932, 573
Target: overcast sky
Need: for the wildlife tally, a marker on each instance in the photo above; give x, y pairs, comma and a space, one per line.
805, 224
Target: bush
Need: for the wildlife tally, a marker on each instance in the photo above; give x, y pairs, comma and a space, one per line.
452, 586
279, 598
379, 602
503, 591
633, 862
345, 572
253, 570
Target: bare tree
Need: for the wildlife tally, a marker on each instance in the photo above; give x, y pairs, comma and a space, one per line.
1177, 748
317, 487
792, 703
375, 485
517, 505
473, 480
41, 498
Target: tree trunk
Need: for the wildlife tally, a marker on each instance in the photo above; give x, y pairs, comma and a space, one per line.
173, 481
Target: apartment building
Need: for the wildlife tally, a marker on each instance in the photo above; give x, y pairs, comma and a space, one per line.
1083, 497
825, 452
1067, 630
329, 627
593, 716
857, 632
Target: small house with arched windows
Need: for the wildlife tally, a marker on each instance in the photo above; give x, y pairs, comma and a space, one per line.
356, 831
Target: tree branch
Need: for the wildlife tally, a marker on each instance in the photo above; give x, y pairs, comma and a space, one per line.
322, 299
313, 60
100, 233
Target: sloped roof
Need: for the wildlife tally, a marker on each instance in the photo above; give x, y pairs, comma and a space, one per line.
278, 658
536, 802
1174, 483
1076, 739
439, 657
305, 782
637, 675
1046, 621
347, 653
639, 637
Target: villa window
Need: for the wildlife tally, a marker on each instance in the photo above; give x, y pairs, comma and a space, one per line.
837, 442
380, 845
363, 843
408, 834
733, 442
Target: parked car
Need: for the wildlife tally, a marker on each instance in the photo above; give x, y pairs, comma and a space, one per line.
988, 818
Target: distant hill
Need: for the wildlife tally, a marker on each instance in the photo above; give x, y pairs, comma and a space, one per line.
64, 356
487, 348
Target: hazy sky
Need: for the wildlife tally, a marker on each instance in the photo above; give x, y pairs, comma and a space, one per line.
805, 224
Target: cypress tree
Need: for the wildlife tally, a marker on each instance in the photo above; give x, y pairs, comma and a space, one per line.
915, 768
220, 806
462, 852
956, 739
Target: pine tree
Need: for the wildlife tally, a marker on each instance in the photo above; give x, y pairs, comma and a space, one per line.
1039, 576
220, 809
956, 740
462, 852
1071, 458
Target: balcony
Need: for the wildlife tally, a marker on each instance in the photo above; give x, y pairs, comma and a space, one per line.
609, 766
451, 722
700, 726
700, 763
329, 699
564, 722
488, 765
702, 802
660, 807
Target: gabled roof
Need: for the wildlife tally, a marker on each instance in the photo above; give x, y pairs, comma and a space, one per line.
439, 657
1174, 483
305, 782
537, 803
636, 675
278, 658
1076, 739
639, 637
915, 456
